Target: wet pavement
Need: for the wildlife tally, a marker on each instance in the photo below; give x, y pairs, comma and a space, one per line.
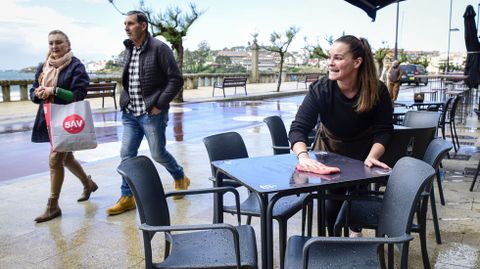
84, 237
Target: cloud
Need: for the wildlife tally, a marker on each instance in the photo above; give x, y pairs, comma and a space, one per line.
25, 28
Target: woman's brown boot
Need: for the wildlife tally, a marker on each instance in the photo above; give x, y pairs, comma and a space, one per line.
52, 211
88, 188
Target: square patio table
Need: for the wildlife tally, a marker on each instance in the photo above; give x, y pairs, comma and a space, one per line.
276, 175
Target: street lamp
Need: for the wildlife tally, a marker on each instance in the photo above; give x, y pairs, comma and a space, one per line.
450, 30
448, 48
395, 51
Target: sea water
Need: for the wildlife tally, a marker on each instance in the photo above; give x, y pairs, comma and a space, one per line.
17, 75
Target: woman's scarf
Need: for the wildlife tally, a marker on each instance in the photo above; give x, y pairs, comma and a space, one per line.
52, 68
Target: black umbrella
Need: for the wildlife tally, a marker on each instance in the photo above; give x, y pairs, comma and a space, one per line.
472, 65
371, 6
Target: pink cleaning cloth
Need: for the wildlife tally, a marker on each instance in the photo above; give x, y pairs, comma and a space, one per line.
327, 170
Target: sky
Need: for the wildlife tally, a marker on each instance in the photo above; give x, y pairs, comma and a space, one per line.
96, 30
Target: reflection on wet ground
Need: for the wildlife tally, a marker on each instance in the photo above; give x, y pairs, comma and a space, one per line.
84, 237
186, 122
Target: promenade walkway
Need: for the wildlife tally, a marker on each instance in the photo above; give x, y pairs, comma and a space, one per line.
85, 237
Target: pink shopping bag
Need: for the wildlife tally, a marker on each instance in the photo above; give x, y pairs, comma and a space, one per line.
70, 126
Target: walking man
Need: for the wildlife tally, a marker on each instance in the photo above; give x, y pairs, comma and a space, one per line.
151, 79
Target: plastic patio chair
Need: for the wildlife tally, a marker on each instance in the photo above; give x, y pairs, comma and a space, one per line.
418, 119
365, 213
407, 142
279, 135
230, 145
451, 122
228, 246
421, 119
406, 183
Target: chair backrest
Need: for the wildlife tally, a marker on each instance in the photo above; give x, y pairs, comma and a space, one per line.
436, 151
225, 146
278, 133
421, 119
445, 108
407, 142
143, 179
405, 185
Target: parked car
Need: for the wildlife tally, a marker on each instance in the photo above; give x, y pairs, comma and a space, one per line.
409, 72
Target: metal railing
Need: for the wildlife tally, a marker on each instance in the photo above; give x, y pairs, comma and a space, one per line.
17, 90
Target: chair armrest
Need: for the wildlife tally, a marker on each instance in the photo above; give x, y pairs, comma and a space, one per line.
201, 227
359, 240
345, 240
180, 228
221, 190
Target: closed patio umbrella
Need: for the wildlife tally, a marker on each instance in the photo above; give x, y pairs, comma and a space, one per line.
371, 6
472, 65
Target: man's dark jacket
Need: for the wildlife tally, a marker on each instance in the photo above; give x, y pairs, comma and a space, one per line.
160, 78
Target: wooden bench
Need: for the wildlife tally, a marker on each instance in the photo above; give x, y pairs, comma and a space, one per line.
95, 90
229, 82
306, 78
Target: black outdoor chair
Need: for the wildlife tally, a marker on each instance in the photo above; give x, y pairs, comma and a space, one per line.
406, 183
230, 145
450, 120
407, 142
279, 135
364, 213
205, 245
419, 119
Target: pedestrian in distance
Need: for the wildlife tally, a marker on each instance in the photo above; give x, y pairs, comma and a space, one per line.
60, 69
354, 110
151, 79
394, 75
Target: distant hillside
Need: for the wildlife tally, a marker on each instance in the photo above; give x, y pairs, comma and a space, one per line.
31, 69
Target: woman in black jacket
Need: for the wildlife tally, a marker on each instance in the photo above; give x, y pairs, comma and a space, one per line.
61, 69
354, 110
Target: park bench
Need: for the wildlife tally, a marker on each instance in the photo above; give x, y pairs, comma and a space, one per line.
307, 78
95, 90
229, 82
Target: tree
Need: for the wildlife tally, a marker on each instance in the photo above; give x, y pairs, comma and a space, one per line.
380, 55
194, 61
173, 25
223, 60
280, 44
402, 56
315, 52
421, 59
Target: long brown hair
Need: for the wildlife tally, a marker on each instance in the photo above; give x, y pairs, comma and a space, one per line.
367, 79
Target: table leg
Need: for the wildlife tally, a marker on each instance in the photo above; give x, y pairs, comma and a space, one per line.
218, 200
263, 201
321, 226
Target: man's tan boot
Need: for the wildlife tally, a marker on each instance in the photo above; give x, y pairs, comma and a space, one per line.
180, 185
88, 187
123, 204
52, 211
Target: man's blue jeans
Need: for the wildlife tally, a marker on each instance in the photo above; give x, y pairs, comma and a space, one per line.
153, 128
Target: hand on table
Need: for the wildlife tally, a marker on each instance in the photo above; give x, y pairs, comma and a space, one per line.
370, 162
306, 164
